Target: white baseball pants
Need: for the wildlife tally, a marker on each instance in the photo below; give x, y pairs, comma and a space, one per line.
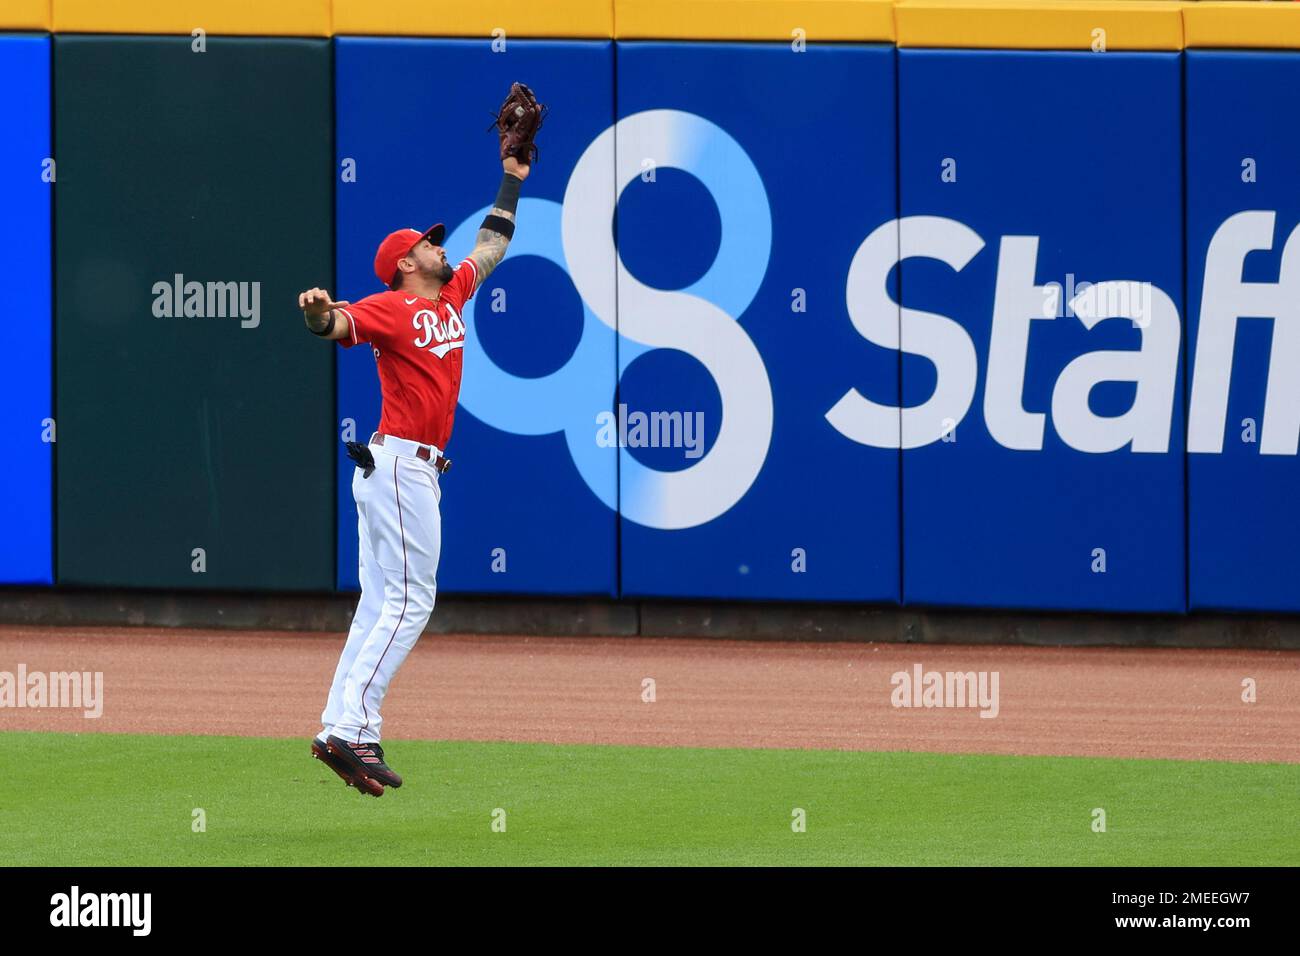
400, 531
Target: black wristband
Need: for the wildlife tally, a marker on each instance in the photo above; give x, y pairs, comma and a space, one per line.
499, 224
325, 331
508, 194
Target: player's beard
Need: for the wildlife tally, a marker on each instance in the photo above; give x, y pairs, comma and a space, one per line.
442, 272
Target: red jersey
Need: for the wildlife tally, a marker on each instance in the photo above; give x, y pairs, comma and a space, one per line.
419, 346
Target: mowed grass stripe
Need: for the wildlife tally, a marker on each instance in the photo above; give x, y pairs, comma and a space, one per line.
101, 799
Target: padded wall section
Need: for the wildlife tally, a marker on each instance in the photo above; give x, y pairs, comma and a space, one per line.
743, 201
529, 506
195, 425
26, 406
1060, 484
1243, 258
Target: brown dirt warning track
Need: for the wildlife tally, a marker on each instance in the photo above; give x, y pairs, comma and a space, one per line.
1183, 704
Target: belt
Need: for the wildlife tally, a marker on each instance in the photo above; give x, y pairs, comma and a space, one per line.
439, 461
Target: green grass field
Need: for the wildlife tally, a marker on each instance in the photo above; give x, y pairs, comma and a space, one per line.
100, 799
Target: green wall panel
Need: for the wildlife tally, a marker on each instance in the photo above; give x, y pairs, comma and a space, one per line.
207, 431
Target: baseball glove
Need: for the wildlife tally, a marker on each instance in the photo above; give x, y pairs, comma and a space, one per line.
517, 123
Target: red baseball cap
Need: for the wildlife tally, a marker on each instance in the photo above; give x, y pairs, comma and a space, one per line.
397, 244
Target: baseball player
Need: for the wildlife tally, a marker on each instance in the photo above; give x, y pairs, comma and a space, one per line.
417, 332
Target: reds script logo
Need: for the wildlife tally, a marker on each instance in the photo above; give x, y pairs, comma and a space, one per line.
449, 334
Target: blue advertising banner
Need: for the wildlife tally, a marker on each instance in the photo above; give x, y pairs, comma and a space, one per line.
1243, 263
27, 178
743, 199
530, 503
1041, 238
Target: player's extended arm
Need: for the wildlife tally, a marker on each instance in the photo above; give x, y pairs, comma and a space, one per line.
499, 226
321, 315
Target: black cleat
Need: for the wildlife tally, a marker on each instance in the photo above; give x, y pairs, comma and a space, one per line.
363, 782
365, 760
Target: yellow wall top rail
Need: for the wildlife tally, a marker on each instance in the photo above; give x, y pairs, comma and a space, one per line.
1095, 25
579, 19
970, 24
1242, 25
784, 20
25, 15
238, 17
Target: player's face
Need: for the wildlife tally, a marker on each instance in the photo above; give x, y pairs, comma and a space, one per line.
430, 261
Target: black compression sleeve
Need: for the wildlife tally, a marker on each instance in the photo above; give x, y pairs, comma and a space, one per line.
508, 194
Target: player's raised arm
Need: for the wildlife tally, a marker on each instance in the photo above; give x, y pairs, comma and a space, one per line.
518, 121
499, 226
319, 312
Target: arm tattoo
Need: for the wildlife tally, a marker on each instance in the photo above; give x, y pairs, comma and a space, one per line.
490, 247
320, 324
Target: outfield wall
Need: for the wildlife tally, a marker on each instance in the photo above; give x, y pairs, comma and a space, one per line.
977, 303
